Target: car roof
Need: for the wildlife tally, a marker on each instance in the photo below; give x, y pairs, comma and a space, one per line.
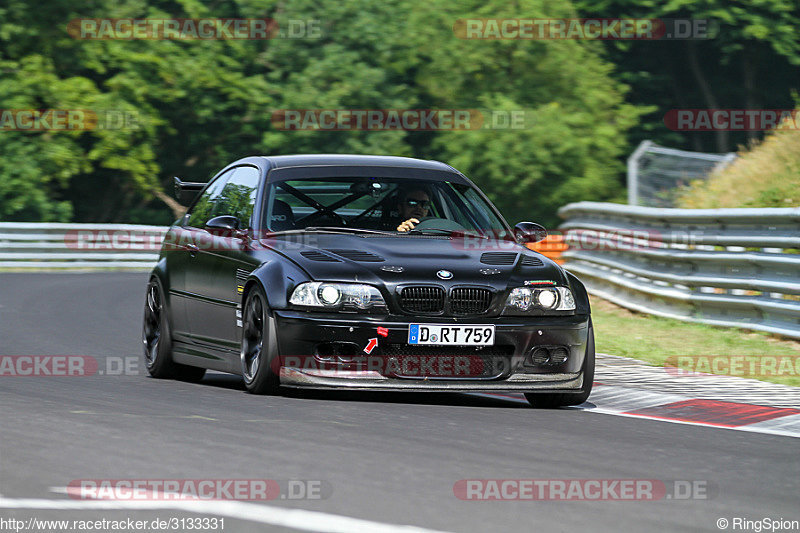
341, 160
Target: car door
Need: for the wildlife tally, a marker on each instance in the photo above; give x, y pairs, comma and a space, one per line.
177, 255
197, 242
221, 267
185, 239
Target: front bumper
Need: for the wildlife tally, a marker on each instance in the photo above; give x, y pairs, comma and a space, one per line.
301, 335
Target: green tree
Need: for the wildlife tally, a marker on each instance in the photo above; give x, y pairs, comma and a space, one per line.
577, 119
750, 60
404, 54
201, 104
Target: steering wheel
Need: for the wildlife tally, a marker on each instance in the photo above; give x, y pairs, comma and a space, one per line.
438, 223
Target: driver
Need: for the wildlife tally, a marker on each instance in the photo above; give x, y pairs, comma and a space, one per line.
413, 204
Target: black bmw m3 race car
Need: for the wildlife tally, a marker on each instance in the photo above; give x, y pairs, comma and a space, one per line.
366, 273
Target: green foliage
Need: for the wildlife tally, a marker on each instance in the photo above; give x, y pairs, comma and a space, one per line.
201, 104
191, 103
574, 133
197, 105
748, 61
766, 175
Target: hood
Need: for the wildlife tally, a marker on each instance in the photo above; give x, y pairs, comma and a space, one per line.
392, 260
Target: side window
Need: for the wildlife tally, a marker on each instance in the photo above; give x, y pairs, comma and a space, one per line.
478, 210
238, 196
204, 209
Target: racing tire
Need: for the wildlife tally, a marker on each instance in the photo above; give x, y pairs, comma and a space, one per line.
157, 340
563, 399
259, 345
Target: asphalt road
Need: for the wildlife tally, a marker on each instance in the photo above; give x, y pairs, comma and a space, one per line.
386, 458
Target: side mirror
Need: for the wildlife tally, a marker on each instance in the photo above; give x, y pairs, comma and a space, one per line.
225, 225
526, 232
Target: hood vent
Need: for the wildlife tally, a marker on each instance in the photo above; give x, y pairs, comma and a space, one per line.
531, 261
359, 255
315, 255
499, 258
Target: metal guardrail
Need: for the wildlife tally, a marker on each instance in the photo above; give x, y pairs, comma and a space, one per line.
75, 246
727, 267
72, 246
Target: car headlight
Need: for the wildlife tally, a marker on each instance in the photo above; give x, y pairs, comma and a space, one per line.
523, 299
338, 296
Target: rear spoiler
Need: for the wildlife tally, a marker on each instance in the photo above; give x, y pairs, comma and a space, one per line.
185, 191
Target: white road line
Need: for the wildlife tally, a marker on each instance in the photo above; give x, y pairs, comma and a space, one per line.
691, 423
299, 519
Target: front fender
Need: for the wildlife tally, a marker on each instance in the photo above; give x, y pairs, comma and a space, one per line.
580, 294
277, 278
160, 271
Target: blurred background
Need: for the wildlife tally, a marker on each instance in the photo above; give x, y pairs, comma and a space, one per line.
196, 105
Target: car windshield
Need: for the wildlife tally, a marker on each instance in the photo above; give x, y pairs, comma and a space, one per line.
380, 204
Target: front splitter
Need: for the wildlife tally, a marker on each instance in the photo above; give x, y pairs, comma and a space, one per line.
366, 380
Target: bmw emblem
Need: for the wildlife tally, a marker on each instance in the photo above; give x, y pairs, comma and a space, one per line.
444, 274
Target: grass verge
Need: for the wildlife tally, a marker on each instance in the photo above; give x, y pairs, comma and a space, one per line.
654, 339
764, 175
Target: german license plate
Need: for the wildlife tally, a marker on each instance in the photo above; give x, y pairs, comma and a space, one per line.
450, 335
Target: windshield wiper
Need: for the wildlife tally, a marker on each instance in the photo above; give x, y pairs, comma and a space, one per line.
442, 231
337, 229
428, 231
